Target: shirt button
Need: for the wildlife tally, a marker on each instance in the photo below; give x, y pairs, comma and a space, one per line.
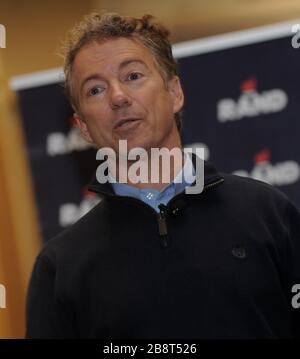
150, 195
239, 252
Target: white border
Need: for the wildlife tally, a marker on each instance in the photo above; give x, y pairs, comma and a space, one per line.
234, 39
180, 50
36, 79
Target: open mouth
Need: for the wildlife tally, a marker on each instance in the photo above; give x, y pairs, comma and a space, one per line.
126, 122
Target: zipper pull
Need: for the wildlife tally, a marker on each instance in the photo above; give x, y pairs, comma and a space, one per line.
162, 225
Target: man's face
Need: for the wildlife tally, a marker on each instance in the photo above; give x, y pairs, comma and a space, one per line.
122, 96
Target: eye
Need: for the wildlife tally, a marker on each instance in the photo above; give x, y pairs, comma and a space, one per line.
134, 76
95, 91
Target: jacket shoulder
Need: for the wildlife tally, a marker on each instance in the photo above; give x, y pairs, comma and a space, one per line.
90, 228
251, 194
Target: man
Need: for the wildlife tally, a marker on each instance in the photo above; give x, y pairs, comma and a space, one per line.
150, 260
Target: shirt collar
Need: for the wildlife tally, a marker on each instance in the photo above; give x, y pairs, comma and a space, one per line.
184, 178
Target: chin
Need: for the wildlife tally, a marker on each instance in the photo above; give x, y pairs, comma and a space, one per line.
135, 142
136, 145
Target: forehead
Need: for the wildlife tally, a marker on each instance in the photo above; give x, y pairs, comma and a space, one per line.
110, 53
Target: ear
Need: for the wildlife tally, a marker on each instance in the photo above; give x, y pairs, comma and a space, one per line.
81, 124
176, 92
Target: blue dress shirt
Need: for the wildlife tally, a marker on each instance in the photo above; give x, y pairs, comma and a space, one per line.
153, 197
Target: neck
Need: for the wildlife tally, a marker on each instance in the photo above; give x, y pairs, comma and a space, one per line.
154, 168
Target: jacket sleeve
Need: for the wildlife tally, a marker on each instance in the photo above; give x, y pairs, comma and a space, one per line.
46, 315
294, 266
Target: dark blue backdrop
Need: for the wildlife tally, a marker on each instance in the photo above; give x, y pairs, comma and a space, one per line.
242, 103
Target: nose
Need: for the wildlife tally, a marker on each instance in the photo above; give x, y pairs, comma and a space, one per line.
119, 97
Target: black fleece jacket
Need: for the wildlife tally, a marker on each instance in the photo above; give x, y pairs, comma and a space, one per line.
220, 264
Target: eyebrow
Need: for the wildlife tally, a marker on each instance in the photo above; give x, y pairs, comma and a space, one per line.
98, 77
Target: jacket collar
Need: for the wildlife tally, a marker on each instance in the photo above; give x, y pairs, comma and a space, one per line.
211, 175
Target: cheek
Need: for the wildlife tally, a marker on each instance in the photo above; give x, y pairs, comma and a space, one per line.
155, 101
91, 110
164, 107
98, 124
97, 116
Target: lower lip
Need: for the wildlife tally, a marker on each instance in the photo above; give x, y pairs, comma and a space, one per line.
127, 126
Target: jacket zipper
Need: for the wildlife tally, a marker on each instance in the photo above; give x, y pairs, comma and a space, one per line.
162, 225
164, 210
